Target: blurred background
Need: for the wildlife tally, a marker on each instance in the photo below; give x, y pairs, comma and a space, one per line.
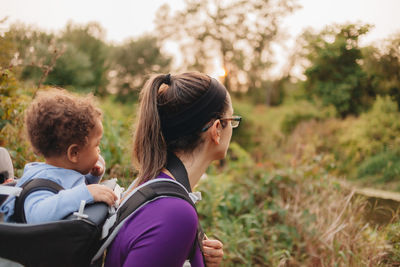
313, 172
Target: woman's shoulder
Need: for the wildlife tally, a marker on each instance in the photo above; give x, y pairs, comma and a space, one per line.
164, 227
166, 215
170, 210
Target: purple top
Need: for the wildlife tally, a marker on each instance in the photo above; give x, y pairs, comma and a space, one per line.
161, 233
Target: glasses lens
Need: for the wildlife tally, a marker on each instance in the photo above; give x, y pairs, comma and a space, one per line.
235, 123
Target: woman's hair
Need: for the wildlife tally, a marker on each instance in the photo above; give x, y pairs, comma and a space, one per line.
56, 119
163, 96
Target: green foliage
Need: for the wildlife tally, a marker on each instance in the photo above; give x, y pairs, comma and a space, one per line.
133, 62
83, 64
302, 112
79, 59
292, 120
335, 75
243, 134
238, 208
374, 131
383, 67
13, 102
382, 167
265, 131
35, 51
393, 236
7, 50
73, 68
302, 132
116, 141
273, 218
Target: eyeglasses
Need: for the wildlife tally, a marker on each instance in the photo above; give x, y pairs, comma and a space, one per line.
235, 121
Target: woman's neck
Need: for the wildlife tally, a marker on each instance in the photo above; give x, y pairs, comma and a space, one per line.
196, 164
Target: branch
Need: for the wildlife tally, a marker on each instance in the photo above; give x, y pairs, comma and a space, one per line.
48, 68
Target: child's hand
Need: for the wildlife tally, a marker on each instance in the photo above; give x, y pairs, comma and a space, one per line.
99, 167
213, 252
102, 193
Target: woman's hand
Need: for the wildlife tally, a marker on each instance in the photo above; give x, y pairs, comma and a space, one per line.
213, 252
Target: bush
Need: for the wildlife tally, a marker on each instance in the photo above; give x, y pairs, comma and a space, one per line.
14, 99
116, 141
382, 167
302, 112
373, 132
290, 121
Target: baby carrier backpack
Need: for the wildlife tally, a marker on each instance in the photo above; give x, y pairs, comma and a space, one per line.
81, 238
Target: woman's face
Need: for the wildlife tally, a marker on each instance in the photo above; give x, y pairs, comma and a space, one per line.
226, 131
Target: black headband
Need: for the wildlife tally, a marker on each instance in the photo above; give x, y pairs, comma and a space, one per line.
194, 117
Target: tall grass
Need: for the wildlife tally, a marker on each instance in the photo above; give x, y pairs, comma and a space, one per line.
288, 217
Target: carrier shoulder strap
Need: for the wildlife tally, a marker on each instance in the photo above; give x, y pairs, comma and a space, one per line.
159, 188
178, 170
142, 195
28, 188
151, 192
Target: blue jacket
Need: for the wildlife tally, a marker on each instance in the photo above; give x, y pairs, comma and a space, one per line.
45, 206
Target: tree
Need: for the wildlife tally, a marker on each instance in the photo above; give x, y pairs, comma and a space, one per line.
34, 52
76, 58
7, 48
84, 64
335, 75
237, 33
132, 62
383, 67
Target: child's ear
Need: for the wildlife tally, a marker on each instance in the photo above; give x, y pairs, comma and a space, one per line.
73, 153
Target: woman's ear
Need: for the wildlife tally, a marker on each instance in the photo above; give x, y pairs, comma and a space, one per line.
215, 131
73, 153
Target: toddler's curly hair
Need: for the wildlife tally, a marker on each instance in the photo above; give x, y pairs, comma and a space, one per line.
57, 118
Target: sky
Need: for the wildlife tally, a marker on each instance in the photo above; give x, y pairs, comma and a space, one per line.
124, 19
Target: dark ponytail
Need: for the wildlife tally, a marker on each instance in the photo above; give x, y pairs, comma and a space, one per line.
149, 147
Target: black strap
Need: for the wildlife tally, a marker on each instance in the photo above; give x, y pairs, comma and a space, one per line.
178, 170
29, 187
148, 193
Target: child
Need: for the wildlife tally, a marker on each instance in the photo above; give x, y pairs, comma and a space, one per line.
66, 130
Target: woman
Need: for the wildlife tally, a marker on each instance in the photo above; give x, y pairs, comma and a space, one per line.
189, 115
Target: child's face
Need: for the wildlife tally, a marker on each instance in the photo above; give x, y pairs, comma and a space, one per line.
89, 154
